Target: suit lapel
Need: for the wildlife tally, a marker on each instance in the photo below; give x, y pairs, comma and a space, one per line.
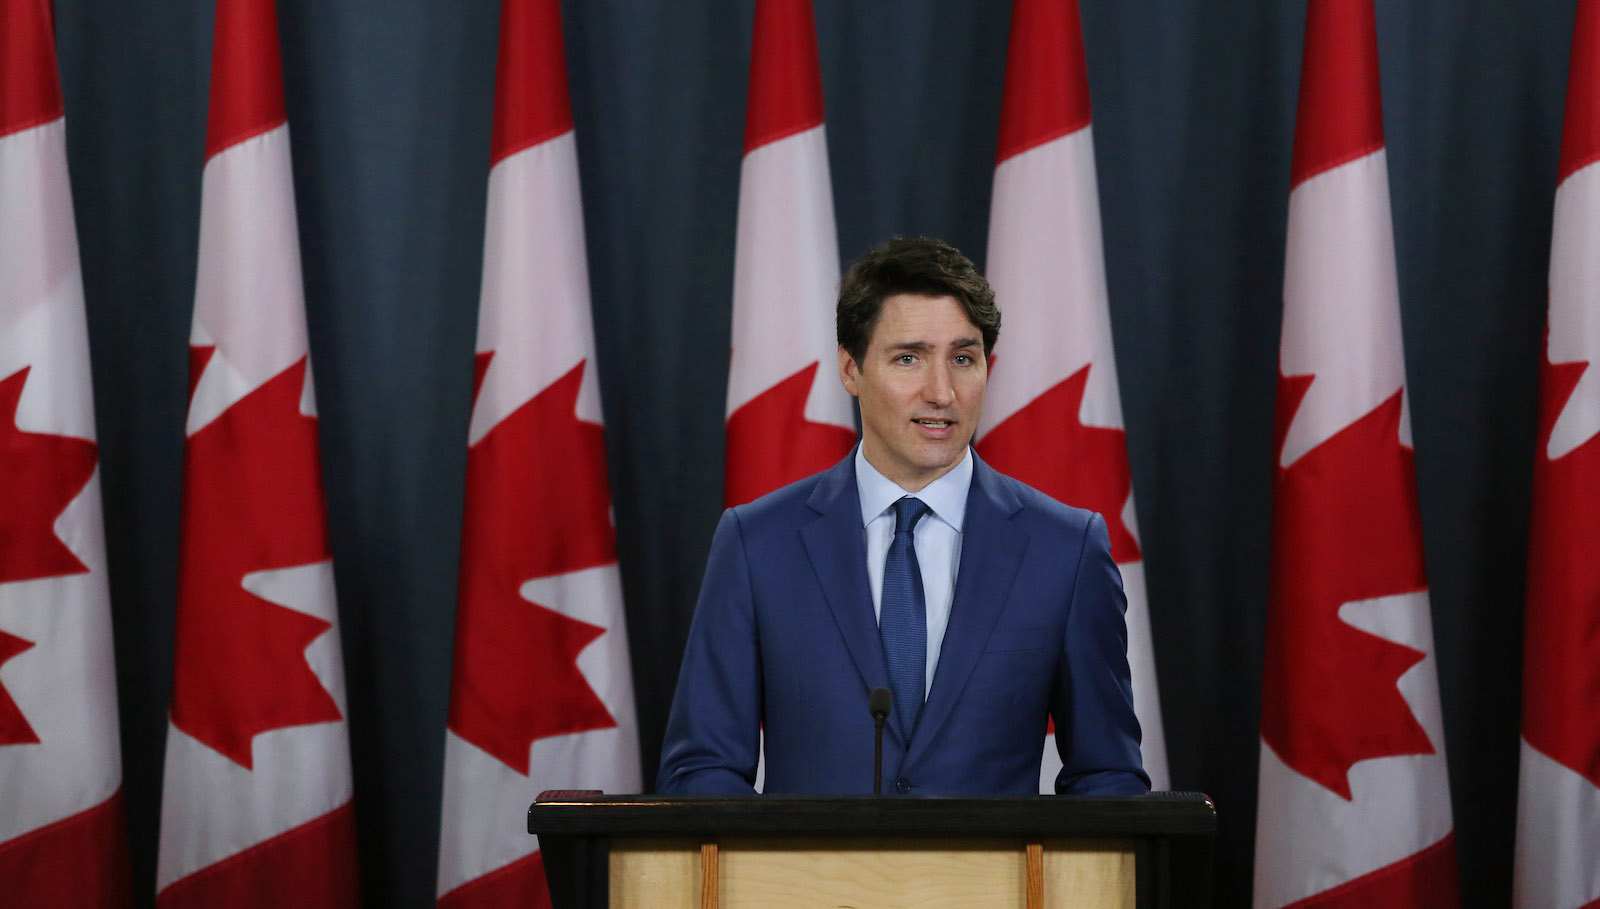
991, 549
834, 543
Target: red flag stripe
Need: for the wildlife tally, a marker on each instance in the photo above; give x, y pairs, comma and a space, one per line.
1047, 77
530, 100
521, 884
246, 74
79, 861
310, 866
1426, 878
1580, 132
1340, 115
785, 73
30, 91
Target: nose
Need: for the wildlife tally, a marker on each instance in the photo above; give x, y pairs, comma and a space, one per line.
937, 387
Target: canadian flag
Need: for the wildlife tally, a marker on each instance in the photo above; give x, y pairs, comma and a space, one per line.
1053, 411
1558, 800
63, 842
255, 806
542, 696
788, 415
1354, 805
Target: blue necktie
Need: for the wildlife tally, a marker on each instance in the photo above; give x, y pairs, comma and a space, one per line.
903, 617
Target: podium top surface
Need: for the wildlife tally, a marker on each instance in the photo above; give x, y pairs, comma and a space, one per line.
1161, 814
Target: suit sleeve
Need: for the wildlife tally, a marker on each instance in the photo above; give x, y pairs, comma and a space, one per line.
1097, 732
714, 730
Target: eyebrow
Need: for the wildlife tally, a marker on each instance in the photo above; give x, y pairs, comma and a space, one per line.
923, 346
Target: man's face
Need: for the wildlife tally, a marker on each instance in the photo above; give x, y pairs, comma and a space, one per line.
921, 387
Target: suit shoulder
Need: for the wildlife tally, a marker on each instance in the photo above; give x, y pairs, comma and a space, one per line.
780, 508
1040, 508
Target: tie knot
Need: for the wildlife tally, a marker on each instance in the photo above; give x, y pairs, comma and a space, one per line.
907, 512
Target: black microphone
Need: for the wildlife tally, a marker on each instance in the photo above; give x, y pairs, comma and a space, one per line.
881, 703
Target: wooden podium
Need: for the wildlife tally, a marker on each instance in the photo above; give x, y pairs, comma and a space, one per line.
868, 852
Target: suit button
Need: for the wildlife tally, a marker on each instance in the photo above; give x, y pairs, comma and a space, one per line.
902, 785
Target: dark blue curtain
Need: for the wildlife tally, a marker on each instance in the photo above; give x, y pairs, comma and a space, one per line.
389, 105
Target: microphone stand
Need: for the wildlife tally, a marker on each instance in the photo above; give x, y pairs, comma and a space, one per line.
881, 703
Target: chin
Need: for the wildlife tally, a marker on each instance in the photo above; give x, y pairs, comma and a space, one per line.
943, 457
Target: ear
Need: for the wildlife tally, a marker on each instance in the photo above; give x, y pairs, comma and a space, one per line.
849, 373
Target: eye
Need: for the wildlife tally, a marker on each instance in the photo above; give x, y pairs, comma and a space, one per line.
964, 359
906, 359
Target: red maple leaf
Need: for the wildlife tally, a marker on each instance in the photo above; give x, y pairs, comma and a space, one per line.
1561, 646
252, 502
1047, 446
538, 504
14, 728
1345, 527
771, 443
40, 474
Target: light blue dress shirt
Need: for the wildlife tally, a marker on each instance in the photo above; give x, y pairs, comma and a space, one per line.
938, 540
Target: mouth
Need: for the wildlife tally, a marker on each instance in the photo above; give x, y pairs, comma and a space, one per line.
935, 428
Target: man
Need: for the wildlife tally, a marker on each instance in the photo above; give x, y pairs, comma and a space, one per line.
985, 606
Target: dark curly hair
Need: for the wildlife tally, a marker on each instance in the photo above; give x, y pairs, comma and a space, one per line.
911, 265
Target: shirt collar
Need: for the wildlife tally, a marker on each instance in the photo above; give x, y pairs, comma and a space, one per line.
946, 496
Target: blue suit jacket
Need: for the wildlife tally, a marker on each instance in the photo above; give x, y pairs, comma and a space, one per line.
784, 639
